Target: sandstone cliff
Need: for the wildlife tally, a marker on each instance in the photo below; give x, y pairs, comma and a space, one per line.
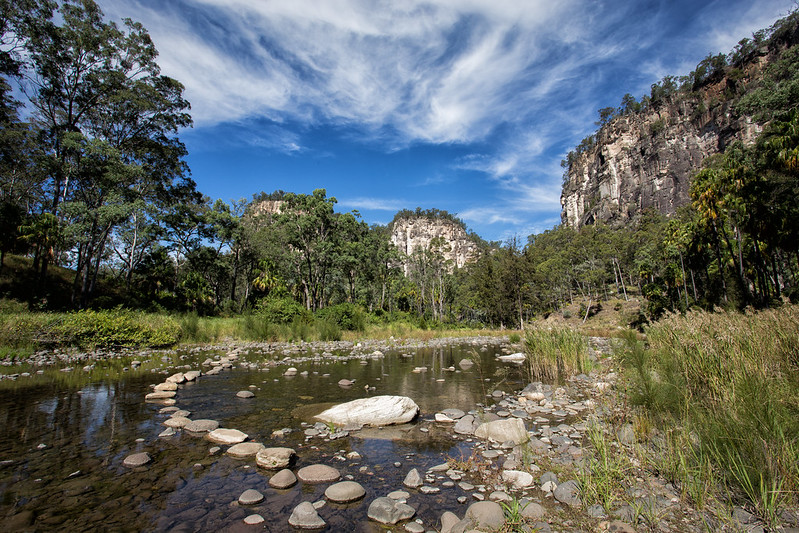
411, 233
646, 159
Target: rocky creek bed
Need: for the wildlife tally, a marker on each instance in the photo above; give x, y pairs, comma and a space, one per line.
223, 438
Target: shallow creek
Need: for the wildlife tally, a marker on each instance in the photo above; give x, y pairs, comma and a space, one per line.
61, 448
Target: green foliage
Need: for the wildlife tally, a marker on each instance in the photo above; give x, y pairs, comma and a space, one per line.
282, 311
555, 354
88, 329
732, 383
345, 315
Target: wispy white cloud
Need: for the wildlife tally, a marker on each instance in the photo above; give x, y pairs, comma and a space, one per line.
376, 204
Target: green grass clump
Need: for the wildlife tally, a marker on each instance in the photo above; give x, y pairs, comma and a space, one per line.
730, 383
556, 353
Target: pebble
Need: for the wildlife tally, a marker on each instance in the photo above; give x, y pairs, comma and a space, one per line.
250, 497
137, 459
254, 519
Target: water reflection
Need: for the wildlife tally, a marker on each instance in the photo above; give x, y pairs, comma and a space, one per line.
62, 448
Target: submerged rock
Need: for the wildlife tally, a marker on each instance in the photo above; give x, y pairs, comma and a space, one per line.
137, 459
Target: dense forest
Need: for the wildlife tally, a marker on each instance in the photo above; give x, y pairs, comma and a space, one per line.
92, 177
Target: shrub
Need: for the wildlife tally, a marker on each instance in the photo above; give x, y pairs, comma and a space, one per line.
115, 328
282, 310
346, 315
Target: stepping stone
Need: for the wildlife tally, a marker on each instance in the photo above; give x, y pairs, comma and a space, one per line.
166, 386
176, 422
245, 394
345, 491
168, 432
304, 516
254, 520
413, 480
250, 497
318, 474
274, 457
245, 449
137, 459
283, 479
160, 395
201, 425
226, 436
191, 375
181, 412
167, 410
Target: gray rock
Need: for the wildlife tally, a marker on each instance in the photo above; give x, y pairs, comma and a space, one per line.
626, 434
250, 497
345, 491
568, 493
318, 474
388, 511
202, 425
168, 432
503, 430
518, 478
454, 414
596, 511
176, 421
274, 457
283, 479
191, 375
485, 515
254, 520
548, 476
245, 394
137, 459
245, 449
226, 436
448, 520
413, 480
372, 411
414, 527
465, 425
532, 510
304, 516
344, 383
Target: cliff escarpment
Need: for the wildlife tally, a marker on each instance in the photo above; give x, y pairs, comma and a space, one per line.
442, 236
645, 153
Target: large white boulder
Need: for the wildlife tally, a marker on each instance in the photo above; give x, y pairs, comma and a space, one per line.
374, 411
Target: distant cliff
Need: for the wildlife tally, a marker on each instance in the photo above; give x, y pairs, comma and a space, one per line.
645, 155
411, 232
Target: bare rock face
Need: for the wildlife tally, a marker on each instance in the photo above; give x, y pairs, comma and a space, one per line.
413, 233
374, 411
647, 160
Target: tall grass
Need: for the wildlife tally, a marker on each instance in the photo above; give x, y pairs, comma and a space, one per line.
556, 353
731, 381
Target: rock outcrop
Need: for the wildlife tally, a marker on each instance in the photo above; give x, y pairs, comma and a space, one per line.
412, 233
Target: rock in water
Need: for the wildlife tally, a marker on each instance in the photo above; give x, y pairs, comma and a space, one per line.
251, 497
503, 430
318, 474
226, 436
245, 449
137, 459
345, 491
274, 457
283, 479
304, 516
201, 425
374, 411
413, 480
245, 394
387, 511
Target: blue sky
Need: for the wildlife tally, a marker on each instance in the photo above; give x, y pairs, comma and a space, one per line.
462, 105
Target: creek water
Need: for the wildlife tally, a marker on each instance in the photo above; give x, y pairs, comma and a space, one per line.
62, 447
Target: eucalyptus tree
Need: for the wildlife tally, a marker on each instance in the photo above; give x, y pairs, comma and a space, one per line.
108, 123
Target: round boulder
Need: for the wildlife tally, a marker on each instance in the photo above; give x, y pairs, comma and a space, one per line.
318, 474
283, 479
245, 449
304, 516
245, 394
226, 436
250, 497
486, 515
345, 491
137, 459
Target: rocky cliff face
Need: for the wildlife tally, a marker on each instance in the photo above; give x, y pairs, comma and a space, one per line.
646, 160
409, 234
